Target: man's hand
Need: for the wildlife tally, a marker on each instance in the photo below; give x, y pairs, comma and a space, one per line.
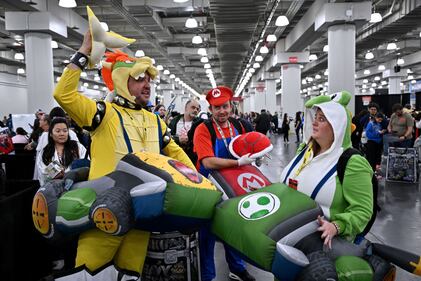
86, 44
245, 160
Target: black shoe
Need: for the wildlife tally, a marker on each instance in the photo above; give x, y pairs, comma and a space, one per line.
241, 276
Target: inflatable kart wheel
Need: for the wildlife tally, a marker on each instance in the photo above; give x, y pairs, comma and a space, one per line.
383, 270
112, 213
40, 213
321, 268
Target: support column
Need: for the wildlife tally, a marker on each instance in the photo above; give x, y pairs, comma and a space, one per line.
152, 97
39, 69
270, 96
394, 85
291, 85
341, 60
179, 106
167, 97
252, 102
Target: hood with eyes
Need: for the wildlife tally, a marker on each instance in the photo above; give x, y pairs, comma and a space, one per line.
339, 117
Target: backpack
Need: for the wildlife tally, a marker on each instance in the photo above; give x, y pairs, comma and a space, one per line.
340, 169
238, 125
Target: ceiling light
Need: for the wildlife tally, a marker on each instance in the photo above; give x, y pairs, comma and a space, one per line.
264, 50
363, 90
172, 76
18, 37
139, 53
96, 87
54, 44
166, 72
67, 3
19, 56
367, 72
281, 21
177, 79
256, 65
104, 88
159, 67
369, 56
364, 86
301, 66
381, 67
383, 82
21, 71
373, 85
104, 25
326, 73
197, 39
271, 38
413, 81
191, 22
317, 76
17, 44
391, 46
312, 57
376, 17
314, 88
371, 89
85, 84
208, 71
83, 74
66, 61
252, 70
204, 60
326, 48
277, 80
258, 58
201, 51
409, 71
96, 78
400, 61
207, 65
304, 81
365, 81
377, 78
410, 77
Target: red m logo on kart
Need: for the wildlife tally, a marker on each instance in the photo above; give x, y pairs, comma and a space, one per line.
250, 182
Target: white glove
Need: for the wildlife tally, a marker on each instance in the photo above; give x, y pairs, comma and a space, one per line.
245, 160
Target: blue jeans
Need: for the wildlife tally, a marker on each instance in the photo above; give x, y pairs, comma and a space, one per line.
394, 141
207, 262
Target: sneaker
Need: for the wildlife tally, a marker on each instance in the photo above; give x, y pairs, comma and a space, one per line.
241, 276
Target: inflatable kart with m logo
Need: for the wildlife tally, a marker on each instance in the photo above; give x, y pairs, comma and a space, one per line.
272, 226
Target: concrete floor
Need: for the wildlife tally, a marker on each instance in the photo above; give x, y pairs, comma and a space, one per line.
398, 224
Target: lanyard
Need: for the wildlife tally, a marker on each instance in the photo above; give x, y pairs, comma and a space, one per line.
222, 133
308, 156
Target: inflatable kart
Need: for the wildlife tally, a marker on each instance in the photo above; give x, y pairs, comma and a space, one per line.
272, 226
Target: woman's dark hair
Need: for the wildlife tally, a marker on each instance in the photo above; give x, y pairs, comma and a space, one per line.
285, 117
57, 112
316, 146
158, 106
21, 131
298, 116
71, 149
379, 115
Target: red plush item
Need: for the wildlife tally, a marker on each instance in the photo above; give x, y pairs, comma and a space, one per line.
255, 143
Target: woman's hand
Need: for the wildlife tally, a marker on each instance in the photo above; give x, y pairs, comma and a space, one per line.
328, 230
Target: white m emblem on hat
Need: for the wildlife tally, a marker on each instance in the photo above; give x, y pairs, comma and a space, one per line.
216, 93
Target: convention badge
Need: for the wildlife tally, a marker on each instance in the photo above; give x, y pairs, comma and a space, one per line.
293, 183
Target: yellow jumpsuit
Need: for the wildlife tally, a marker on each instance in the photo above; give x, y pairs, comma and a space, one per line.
96, 248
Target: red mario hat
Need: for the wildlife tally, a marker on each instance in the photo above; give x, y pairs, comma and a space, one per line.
219, 95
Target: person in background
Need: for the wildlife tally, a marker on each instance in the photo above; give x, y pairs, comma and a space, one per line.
57, 156
298, 125
275, 122
160, 111
40, 127
399, 130
285, 128
263, 122
374, 133
181, 124
21, 136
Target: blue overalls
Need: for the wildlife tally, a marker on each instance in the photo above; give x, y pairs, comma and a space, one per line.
206, 238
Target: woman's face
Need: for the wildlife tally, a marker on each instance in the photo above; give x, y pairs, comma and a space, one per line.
322, 130
161, 111
60, 133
